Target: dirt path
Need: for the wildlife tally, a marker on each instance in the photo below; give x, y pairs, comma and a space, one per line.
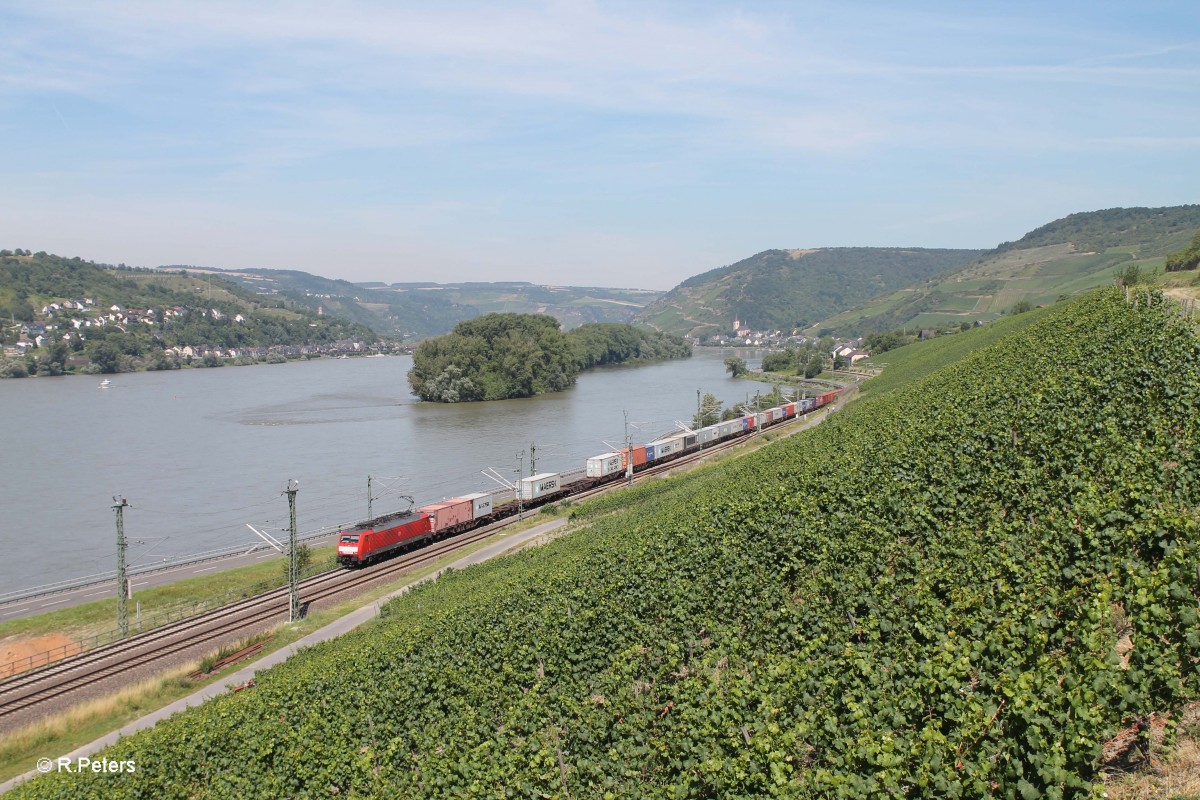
34, 651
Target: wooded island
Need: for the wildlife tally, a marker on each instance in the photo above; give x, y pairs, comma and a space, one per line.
502, 356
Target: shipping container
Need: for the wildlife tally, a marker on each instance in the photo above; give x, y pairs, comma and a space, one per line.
639, 454
666, 446
448, 513
689, 441
748, 422
604, 465
776, 414
708, 434
789, 410
808, 404
541, 485
481, 504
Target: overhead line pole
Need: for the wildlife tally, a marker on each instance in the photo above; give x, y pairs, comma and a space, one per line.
122, 581
293, 565
520, 470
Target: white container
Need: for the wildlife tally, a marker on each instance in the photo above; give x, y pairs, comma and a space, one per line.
481, 504
667, 446
604, 465
538, 486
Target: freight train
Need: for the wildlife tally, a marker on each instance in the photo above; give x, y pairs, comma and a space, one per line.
380, 537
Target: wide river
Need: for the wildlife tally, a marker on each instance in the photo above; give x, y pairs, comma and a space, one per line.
199, 453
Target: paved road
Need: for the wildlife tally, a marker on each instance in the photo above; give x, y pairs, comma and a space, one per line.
502, 544
90, 594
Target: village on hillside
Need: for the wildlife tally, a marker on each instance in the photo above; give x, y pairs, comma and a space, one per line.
848, 352
60, 321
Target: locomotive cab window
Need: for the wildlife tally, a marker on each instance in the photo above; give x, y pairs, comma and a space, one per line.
350, 539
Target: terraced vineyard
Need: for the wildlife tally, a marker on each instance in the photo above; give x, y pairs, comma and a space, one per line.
962, 587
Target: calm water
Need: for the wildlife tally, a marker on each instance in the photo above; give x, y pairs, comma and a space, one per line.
199, 453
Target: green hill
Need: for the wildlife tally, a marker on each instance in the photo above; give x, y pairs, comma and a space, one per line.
786, 289
119, 318
421, 309
962, 587
572, 306
1071, 255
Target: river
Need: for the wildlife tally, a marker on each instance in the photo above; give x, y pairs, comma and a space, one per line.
198, 453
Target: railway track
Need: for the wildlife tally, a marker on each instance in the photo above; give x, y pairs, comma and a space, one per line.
88, 669
56, 681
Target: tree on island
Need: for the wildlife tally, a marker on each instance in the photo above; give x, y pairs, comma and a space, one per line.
493, 357
736, 366
501, 356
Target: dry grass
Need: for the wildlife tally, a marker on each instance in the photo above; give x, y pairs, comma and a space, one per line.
1177, 775
1174, 774
20, 749
91, 719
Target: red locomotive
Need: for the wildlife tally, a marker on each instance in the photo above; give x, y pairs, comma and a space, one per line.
377, 537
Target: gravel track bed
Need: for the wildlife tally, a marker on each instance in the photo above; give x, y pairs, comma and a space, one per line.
116, 683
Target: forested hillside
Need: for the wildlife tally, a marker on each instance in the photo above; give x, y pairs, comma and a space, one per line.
1074, 254
417, 310
785, 289
71, 314
500, 356
963, 587
1151, 231
411, 315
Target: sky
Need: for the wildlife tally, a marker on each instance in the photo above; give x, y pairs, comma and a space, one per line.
580, 143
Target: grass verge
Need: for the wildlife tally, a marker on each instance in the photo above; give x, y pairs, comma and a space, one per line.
89, 619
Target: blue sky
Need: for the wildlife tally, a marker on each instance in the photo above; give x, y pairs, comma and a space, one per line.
586, 143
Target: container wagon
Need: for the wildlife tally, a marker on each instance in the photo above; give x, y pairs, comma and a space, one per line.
448, 516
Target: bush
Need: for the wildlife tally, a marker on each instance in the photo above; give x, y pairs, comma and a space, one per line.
13, 368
